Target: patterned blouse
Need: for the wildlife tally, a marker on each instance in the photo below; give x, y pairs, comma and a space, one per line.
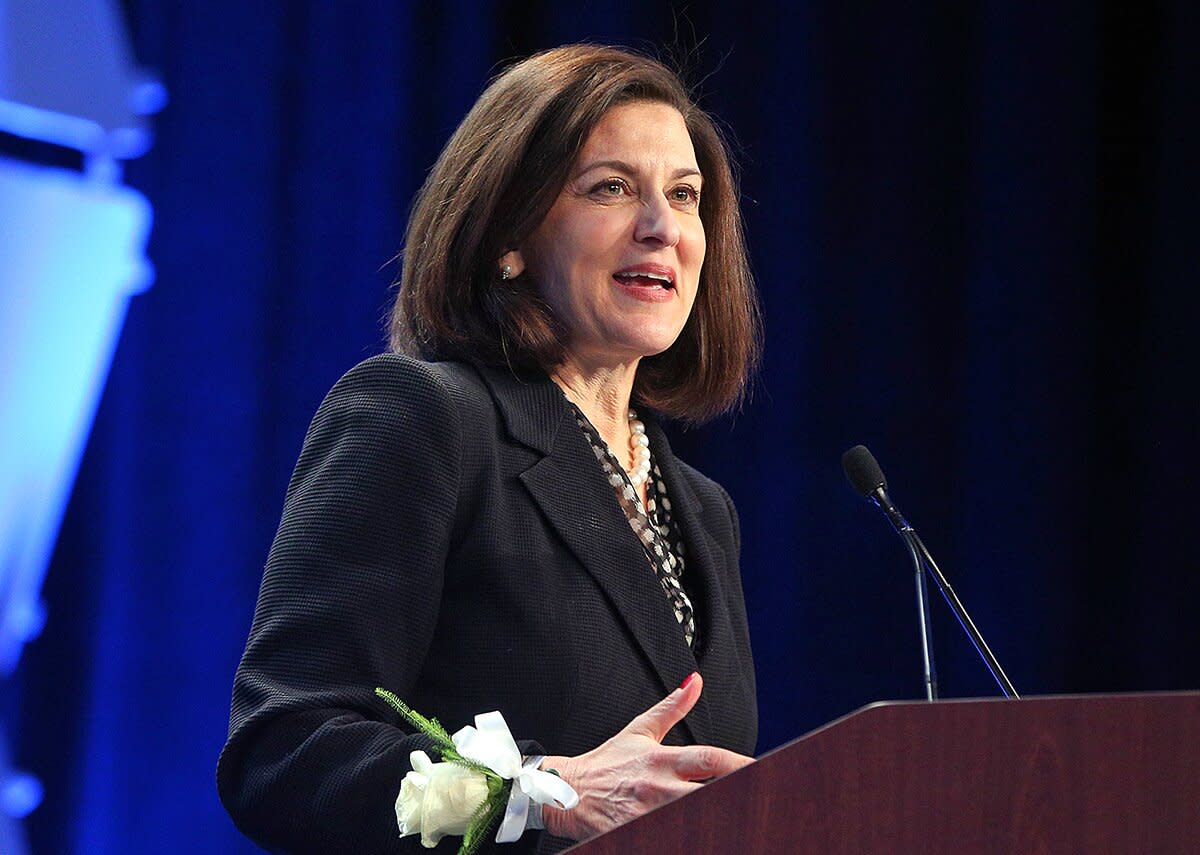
655, 529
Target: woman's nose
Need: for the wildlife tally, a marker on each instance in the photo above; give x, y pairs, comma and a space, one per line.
657, 222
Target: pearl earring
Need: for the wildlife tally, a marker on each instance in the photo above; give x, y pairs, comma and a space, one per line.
506, 272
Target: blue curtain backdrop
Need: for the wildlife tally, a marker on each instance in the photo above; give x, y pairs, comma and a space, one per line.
973, 229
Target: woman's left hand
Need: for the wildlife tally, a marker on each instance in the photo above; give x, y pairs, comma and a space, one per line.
633, 773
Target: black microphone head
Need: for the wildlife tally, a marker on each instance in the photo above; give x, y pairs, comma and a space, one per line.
863, 470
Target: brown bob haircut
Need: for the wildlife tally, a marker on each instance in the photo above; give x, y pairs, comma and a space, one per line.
494, 183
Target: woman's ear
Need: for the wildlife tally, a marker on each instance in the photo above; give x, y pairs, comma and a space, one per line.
511, 265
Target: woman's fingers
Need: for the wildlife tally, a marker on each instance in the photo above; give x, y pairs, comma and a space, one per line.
633, 772
701, 762
660, 718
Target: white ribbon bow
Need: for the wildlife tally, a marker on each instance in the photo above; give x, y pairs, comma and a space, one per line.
489, 742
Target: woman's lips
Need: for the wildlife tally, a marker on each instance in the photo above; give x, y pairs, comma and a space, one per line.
650, 270
644, 288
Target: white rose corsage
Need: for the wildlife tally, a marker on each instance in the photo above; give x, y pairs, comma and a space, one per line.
482, 781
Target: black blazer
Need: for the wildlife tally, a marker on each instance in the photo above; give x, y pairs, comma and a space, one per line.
448, 535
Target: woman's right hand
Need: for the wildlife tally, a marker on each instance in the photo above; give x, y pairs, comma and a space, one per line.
633, 773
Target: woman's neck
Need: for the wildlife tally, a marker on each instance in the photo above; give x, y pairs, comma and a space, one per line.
602, 394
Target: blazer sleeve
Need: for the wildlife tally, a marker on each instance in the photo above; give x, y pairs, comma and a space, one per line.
349, 601
736, 603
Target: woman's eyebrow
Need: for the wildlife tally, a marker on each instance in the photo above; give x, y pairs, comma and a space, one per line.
627, 168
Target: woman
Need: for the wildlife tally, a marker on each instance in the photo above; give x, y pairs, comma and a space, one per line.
479, 522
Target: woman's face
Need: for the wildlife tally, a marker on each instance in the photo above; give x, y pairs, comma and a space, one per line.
618, 256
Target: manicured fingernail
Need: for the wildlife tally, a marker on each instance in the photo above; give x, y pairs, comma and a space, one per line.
687, 681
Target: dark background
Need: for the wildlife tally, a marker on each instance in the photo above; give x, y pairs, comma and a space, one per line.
970, 224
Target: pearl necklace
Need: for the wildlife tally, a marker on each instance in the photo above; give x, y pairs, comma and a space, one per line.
639, 445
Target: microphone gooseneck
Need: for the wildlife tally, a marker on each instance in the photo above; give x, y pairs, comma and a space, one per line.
866, 476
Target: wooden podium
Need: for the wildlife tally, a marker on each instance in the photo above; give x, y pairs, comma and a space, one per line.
1100, 775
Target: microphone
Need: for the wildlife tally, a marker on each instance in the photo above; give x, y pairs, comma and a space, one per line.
862, 469
865, 475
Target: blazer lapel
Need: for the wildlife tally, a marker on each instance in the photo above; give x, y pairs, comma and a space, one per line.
700, 561
571, 491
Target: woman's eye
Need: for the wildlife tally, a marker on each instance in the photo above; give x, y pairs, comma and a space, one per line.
685, 193
611, 187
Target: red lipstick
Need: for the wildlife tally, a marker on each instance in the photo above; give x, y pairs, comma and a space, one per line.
652, 283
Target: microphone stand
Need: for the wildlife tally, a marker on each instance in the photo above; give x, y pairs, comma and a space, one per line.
921, 556
926, 626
